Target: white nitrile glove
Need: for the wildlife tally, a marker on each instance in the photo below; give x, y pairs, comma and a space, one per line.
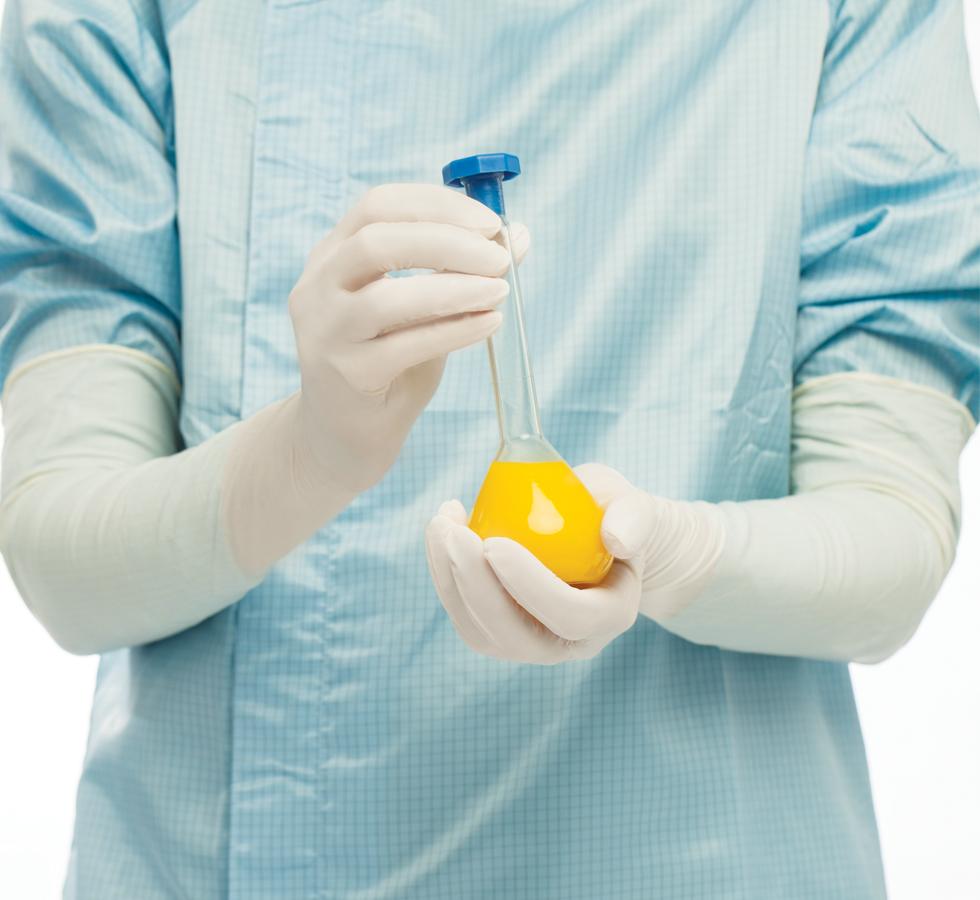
116, 537
505, 603
843, 569
371, 349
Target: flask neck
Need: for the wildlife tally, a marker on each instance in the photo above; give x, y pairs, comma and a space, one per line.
510, 364
530, 448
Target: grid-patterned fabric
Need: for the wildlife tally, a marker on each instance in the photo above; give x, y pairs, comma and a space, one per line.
329, 737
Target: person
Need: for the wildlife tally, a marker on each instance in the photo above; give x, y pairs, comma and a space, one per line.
231, 417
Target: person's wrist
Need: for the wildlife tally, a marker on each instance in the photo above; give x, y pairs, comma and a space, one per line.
275, 493
683, 555
314, 475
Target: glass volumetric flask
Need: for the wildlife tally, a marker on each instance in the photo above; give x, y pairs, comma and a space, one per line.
530, 494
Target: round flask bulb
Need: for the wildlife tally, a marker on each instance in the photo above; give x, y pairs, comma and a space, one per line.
544, 507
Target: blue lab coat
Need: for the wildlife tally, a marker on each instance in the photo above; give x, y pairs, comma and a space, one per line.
726, 199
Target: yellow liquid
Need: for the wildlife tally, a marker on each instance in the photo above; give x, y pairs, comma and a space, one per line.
544, 506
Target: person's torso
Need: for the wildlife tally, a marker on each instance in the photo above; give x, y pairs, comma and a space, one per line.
329, 736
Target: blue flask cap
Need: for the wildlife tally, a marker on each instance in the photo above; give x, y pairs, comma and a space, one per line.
482, 177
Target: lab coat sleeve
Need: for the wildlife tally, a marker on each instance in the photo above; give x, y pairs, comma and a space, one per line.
88, 237
890, 255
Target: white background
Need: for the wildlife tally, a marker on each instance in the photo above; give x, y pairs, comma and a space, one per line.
920, 709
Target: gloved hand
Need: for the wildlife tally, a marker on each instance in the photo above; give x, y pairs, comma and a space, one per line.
506, 604
372, 348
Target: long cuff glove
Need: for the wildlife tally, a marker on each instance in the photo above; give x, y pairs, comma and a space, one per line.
114, 538
843, 569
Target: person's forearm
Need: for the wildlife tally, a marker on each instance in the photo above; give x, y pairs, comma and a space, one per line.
114, 538
847, 566
274, 495
844, 574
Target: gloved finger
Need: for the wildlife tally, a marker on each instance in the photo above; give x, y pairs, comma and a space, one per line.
520, 241
602, 482
628, 524
387, 304
572, 613
437, 556
418, 203
455, 511
387, 246
393, 353
516, 635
